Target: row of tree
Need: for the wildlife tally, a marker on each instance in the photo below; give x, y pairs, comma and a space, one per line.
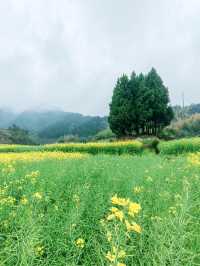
140, 105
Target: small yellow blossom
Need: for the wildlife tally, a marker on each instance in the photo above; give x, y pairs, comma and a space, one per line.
137, 189
37, 195
8, 200
109, 236
116, 213
133, 208
133, 227
119, 201
39, 251
121, 254
110, 217
111, 257
119, 215
80, 243
114, 209
136, 228
24, 200
115, 255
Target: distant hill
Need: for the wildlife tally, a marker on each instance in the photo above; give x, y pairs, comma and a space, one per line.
37, 121
6, 118
75, 124
48, 126
5, 136
15, 135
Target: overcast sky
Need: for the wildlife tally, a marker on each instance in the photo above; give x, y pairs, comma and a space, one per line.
68, 54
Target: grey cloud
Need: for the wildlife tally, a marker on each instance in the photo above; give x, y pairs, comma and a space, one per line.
69, 53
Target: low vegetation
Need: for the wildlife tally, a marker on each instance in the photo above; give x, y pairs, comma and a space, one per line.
99, 210
181, 146
120, 147
186, 127
132, 147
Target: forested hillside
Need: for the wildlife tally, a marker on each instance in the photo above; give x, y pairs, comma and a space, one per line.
49, 126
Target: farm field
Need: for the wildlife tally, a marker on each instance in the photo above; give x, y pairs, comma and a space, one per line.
79, 209
173, 147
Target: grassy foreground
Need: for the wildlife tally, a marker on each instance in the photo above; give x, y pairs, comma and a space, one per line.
58, 212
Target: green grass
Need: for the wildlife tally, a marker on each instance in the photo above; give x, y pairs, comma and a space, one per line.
174, 147
180, 146
76, 196
119, 147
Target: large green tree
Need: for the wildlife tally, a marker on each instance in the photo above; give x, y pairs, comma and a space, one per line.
120, 119
158, 102
140, 105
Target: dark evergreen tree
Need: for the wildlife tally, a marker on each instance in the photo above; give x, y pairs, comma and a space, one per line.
140, 105
120, 118
158, 102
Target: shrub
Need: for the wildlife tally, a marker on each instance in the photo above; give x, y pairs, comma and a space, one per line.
180, 146
188, 127
106, 134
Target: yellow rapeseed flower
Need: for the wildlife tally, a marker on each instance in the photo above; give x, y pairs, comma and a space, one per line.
24, 200
37, 195
80, 243
137, 189
39, 250
133, 208
8, 200
121, 254
116, 213
36, 156
109, 236
137, 228
110, 217
133, 227
119, 201
119, 215
111, 257
114, 255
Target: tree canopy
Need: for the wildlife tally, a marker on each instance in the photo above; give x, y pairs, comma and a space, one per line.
140, 105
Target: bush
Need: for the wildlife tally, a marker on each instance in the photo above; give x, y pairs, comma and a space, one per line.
188, 127
106, 134
69, 138
180, 146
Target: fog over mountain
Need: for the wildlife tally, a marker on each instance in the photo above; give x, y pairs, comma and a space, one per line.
68, 54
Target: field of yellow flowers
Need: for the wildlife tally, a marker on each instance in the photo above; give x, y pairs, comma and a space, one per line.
118, 147
133, 147
75, 209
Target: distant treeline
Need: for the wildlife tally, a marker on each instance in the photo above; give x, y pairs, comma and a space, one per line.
186, 111
57, 126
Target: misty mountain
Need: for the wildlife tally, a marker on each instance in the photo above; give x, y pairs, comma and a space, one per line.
51, 125
6, 118
36, 121
75, 124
